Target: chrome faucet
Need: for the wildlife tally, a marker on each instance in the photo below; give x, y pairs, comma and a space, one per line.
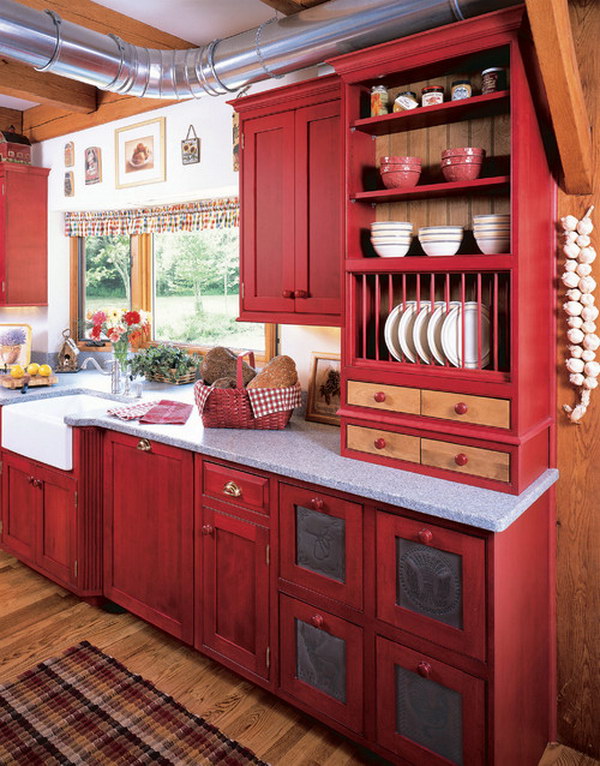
112, 368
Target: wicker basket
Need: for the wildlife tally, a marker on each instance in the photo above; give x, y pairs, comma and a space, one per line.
180, 380
231, 407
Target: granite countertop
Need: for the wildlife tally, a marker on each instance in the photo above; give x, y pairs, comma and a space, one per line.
306, 451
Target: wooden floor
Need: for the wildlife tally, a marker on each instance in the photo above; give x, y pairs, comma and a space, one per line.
39, 620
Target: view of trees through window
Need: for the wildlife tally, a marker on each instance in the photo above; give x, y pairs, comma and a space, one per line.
196, 288
107, 268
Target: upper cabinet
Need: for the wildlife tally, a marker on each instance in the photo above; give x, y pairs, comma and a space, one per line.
23, 235
291, 204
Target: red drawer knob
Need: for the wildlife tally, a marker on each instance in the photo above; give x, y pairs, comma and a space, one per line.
379, 443
461, 408
287, 294
424, 669
317, 620
300, 294
317, 504
461, 459
208, 529
379, 396
425, 536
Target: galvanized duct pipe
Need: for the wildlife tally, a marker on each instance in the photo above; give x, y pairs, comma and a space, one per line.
279, 46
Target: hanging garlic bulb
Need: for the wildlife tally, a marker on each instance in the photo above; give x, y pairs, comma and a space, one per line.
576, 352
574, 294
585, 226
591, 369
587, 255
589, 313
576, 378
569, 223
588, 327
583, 269
590, 383
576, 322
587, 300
582, 240
575, 365
573, 308
591, 341
571, 250
588, 355
587, 284
575, 336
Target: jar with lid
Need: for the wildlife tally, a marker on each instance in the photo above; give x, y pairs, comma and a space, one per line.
406, 101
379, 100
493, 79
432, 94
461, 89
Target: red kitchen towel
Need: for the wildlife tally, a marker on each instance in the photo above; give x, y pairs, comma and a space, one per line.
168, 412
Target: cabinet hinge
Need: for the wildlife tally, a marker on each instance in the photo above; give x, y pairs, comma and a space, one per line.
1, 526
243, 290
268, 555
76, 499
243, 141
268, 657
76, 567
1, 466
3, 286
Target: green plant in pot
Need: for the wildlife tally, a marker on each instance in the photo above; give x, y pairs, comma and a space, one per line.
166, 364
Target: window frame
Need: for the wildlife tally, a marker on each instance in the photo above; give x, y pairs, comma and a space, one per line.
141, 297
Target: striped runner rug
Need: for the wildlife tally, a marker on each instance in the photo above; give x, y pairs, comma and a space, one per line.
84, 707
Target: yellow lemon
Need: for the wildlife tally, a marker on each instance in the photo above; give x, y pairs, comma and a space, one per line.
17, 371
45, 370
33, 368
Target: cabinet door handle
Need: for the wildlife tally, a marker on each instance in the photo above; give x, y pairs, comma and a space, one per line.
379, 396
379, 443
208, 529
30, 479
287, 294
425, 536
38, 483
300, 294
144, 445
461, 408
317, 621
424, 669
232, 489
461, 459
317, 504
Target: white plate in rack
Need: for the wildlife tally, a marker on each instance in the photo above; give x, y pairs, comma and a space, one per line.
390, 333
405, 331
434, 330
451, 336
420, 330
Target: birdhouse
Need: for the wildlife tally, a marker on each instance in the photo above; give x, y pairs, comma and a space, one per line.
14, 147
67, 354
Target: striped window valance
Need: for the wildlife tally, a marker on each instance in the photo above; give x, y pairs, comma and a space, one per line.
190, 216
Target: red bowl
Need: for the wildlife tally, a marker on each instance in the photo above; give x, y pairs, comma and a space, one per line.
461, 161
461, 171
395, 179
398, 168
398, 160
464, 151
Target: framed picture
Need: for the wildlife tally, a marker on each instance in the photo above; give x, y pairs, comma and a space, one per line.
324, 389
93, 165
69, 154
15, 344
140, 154
190, 148
69, 184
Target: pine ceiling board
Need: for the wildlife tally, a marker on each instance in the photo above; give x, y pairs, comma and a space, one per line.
11, 118
22, 81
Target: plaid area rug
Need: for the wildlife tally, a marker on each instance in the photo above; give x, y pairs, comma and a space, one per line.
84, 707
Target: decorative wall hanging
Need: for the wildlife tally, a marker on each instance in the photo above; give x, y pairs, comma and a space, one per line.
14, 147
580, 310
69, 154
15, 344
69, 184
67, 354
236, 141
93, 165
324, 389
190, 148
140, 154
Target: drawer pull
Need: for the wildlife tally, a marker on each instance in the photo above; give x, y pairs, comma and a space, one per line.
287, 294
300, 294
144, 445
208, 529
317, 504
461, 459
232, 489
461, 408
425, 536
317, 621
424, 669
379, 396
379, 443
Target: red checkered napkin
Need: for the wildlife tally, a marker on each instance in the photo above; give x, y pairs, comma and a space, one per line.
168, 412
131, 412
264, 401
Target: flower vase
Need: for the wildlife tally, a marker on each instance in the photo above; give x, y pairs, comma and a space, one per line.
120, 351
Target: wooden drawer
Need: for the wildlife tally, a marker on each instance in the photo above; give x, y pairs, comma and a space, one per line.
480, 410
487, 463
383, 397
237, 487
386, 443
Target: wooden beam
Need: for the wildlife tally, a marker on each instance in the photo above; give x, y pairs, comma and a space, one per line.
288, 7
22, 81
552, 35
11, 118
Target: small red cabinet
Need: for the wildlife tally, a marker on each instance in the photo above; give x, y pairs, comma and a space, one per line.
23, 235
148, 532
291, 204
232, 590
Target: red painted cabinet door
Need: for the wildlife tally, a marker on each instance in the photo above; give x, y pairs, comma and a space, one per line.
233, 578
23, 236
319, 195
267, 226
431, 582
20, 508
148, 532
321, 661
321, 543
56, 524
428, 712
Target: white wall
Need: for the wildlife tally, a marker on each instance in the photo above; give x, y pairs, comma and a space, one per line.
212, 177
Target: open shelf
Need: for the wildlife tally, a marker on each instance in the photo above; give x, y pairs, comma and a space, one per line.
439, 114
444, 189
424, 263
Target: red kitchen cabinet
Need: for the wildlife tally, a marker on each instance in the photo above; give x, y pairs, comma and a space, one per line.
148, 532
23, 235
19, 511
232, 590
291, 207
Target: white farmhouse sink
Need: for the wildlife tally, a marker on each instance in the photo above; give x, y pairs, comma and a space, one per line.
36, 429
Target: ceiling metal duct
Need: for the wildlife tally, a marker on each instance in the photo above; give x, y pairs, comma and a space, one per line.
50, 44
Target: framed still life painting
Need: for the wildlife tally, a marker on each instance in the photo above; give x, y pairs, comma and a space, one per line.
140, 154
324, 389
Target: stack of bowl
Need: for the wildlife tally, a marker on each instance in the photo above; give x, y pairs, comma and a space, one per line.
391, 239
463, 163
399, 171
492, 232
441, 240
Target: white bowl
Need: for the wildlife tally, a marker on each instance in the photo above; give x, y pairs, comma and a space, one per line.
441, 230
391, 241
395, 250
447, 237
404, 225
491, 229
490, 245
492, 218
440, 248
